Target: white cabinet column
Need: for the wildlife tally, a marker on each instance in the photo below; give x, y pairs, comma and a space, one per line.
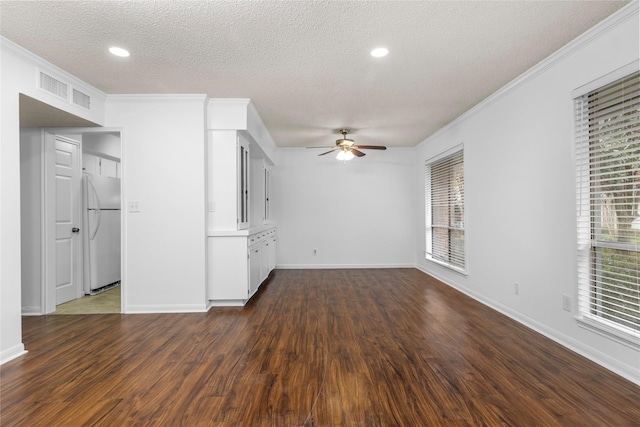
239, 227
222, 177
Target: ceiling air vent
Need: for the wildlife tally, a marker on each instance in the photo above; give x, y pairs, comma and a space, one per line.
53, 85
81, 99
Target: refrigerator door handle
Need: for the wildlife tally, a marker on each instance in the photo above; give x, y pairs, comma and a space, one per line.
92, 235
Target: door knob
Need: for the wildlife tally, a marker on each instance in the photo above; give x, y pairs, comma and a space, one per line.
75, 230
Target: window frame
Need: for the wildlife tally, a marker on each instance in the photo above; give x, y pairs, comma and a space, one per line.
588, 233
429, 226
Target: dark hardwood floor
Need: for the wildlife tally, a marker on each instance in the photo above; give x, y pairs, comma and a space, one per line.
313, 348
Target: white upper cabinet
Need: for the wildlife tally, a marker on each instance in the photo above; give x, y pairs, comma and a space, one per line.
260, 192
108, 168
243, 186
227, 183
267, 194
100, 166
90, 164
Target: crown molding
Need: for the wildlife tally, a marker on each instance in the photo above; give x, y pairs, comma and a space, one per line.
232, 101
158, 97
621, 16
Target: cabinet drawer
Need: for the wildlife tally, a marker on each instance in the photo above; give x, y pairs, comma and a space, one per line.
260, 237
253, 239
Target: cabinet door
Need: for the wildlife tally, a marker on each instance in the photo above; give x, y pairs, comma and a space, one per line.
254, 268
243, 183
228, 268
108, 168
264, 259
90, 164
272, 253
267, 212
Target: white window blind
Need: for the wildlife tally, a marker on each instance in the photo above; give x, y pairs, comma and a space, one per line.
608, 204
444, 195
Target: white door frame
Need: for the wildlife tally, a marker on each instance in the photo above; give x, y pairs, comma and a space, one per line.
48, 283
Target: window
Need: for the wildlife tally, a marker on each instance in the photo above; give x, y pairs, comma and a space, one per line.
444, 196
608, 206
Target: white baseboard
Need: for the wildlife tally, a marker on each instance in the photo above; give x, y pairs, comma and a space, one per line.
339, 266
227, 303
168, 308
628, 372
11, 353
31, 310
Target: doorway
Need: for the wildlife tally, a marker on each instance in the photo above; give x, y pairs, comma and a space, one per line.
102, 145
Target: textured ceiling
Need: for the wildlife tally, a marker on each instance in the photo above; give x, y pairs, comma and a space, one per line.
306, 64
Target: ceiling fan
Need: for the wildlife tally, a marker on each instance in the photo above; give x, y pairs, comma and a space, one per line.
347, 148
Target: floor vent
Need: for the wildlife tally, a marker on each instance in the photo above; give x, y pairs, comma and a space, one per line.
81, 99
53, 85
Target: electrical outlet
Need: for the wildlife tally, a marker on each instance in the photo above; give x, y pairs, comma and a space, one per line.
566, 303
516, 288
134, 206
315, 252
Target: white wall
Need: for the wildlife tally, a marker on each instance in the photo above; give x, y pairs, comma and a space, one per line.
163, 168
520, 192
356, 214
19, 75
31, 161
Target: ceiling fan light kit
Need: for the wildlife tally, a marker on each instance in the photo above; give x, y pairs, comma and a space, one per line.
347, 149
345, 155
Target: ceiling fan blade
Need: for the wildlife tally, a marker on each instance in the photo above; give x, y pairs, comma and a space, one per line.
371, 147
357, 152
330, 151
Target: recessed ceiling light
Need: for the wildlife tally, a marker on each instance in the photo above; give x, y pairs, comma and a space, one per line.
379, 52
118, 51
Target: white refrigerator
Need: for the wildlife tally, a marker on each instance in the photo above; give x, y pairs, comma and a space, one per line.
101, 201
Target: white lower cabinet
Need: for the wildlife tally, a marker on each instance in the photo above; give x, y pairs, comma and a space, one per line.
255, 264
271, 251
264, 260
238, 264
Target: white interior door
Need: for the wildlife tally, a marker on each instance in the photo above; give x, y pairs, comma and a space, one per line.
67, 220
